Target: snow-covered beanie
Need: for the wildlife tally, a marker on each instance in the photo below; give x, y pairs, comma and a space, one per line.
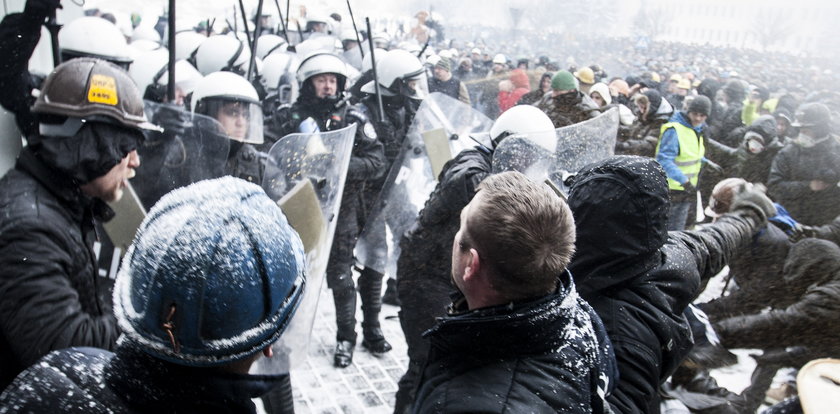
213, 276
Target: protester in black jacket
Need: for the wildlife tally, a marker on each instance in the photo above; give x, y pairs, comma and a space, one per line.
639, 277
519, 339
50, 201
804, 175
424, 266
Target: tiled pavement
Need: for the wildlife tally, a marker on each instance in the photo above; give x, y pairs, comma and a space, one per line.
366, 386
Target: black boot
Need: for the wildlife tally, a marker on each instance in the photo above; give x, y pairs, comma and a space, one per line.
390, 297
345, 318
370, 289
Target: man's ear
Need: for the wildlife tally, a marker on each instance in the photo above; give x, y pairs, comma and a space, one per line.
268, 352
471, 271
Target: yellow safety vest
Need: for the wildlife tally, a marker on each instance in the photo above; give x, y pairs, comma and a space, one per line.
691, 153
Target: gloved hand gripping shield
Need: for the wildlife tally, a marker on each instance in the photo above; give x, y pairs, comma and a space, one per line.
305, 175
441, 129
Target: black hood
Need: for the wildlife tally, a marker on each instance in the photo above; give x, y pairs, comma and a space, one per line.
765, 126
620, 207
708, 88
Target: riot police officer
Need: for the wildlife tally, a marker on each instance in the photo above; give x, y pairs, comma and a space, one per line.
322, 106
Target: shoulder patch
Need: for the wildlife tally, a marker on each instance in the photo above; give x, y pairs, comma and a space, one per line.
369, 130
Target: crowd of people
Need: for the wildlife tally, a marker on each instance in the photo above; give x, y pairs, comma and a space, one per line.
589, 287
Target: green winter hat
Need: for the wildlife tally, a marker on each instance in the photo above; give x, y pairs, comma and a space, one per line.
563, 80
444, 64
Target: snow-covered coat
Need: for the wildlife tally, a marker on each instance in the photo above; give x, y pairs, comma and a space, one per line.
546, 355
637, 276
91, 381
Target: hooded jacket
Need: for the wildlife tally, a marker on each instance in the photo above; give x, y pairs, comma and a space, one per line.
549, 354
791, 173
645, 134
754, 168
129, 381
637, 276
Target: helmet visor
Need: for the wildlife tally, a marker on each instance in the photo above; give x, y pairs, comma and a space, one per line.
239, 120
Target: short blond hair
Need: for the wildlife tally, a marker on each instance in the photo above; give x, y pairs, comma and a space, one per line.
524, 231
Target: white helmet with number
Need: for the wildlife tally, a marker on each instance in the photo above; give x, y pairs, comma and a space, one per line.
322, 62
94, 37
527, 121
268, 44
399, 73
228, 98
187, 43
150, 72
222, 53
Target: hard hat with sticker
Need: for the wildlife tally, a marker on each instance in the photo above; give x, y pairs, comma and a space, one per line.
103, 89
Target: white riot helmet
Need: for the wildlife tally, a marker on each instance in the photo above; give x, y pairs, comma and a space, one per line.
366, 61
222, 53
268, 44
322, 62
275, 66
150, 72
399, 73
382, 40
527, 121
186, 45
94, 37
145, 32
233, 102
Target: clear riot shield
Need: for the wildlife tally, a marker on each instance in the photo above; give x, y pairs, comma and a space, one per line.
192, 149
441, 129
577, 145
305, 173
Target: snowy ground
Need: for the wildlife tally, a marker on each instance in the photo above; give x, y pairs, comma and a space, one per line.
366, 386
370, 383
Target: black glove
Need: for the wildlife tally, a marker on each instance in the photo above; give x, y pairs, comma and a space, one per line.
41, 9
803, 232
753, 197
173, 119
689, 188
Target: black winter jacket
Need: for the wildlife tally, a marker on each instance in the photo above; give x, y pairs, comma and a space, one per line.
791, 173
546, 355
128, 381
425, 264
48, 285
638, 277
